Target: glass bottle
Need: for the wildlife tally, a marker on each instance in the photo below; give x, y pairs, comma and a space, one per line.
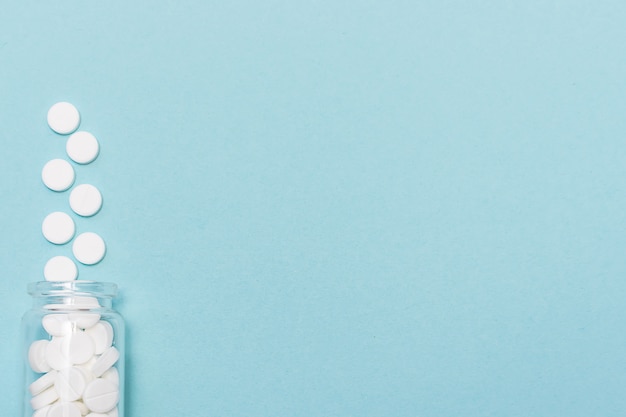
73, 350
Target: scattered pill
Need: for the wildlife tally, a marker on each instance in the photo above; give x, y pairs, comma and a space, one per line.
60, 269
85, 200
58, 175
43, 382
89, 248
101, 395
70, 384
63, 118
105, 361
44, 398
58, 228
37, 356
102, 335
82, 147
64, 409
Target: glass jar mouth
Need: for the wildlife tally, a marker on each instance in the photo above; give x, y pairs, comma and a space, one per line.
79, 287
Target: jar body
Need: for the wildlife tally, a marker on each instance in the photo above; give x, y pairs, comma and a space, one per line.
73, 351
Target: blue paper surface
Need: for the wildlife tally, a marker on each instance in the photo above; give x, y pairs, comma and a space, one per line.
334, 208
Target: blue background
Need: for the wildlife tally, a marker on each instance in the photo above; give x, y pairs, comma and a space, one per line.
334, 208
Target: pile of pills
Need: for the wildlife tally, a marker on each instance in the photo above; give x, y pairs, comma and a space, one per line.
77, 363
85, 200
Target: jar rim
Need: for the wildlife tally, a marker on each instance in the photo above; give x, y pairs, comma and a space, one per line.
78, 287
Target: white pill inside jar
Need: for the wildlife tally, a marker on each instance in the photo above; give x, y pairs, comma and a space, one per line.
60, 269
101, 396
105, 361
86, 369
82, 147
84, 320
64, 409
78, 347
42, 412
56, 324
58, 175
85, 302
37, 356
44, 398
55, 354
70, 384
88, 248
42, 383
75, 303
112, 375
85, 200
58, 228
102, 335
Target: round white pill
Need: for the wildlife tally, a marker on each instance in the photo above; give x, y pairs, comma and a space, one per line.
58, 228
113, 413
112, 375
70, 384
105, 361
43, 382
55, 355
101, 395
85, 200
85, 303
86, 369
84, 320
37, 356
78, 347
102, 335
58, 175
82, 147
43, 399
63, 118
56, 324
97, 415
89, 248
64, 410
60, 269
42, 412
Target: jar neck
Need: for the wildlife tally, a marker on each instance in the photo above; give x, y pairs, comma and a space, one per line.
72, 295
